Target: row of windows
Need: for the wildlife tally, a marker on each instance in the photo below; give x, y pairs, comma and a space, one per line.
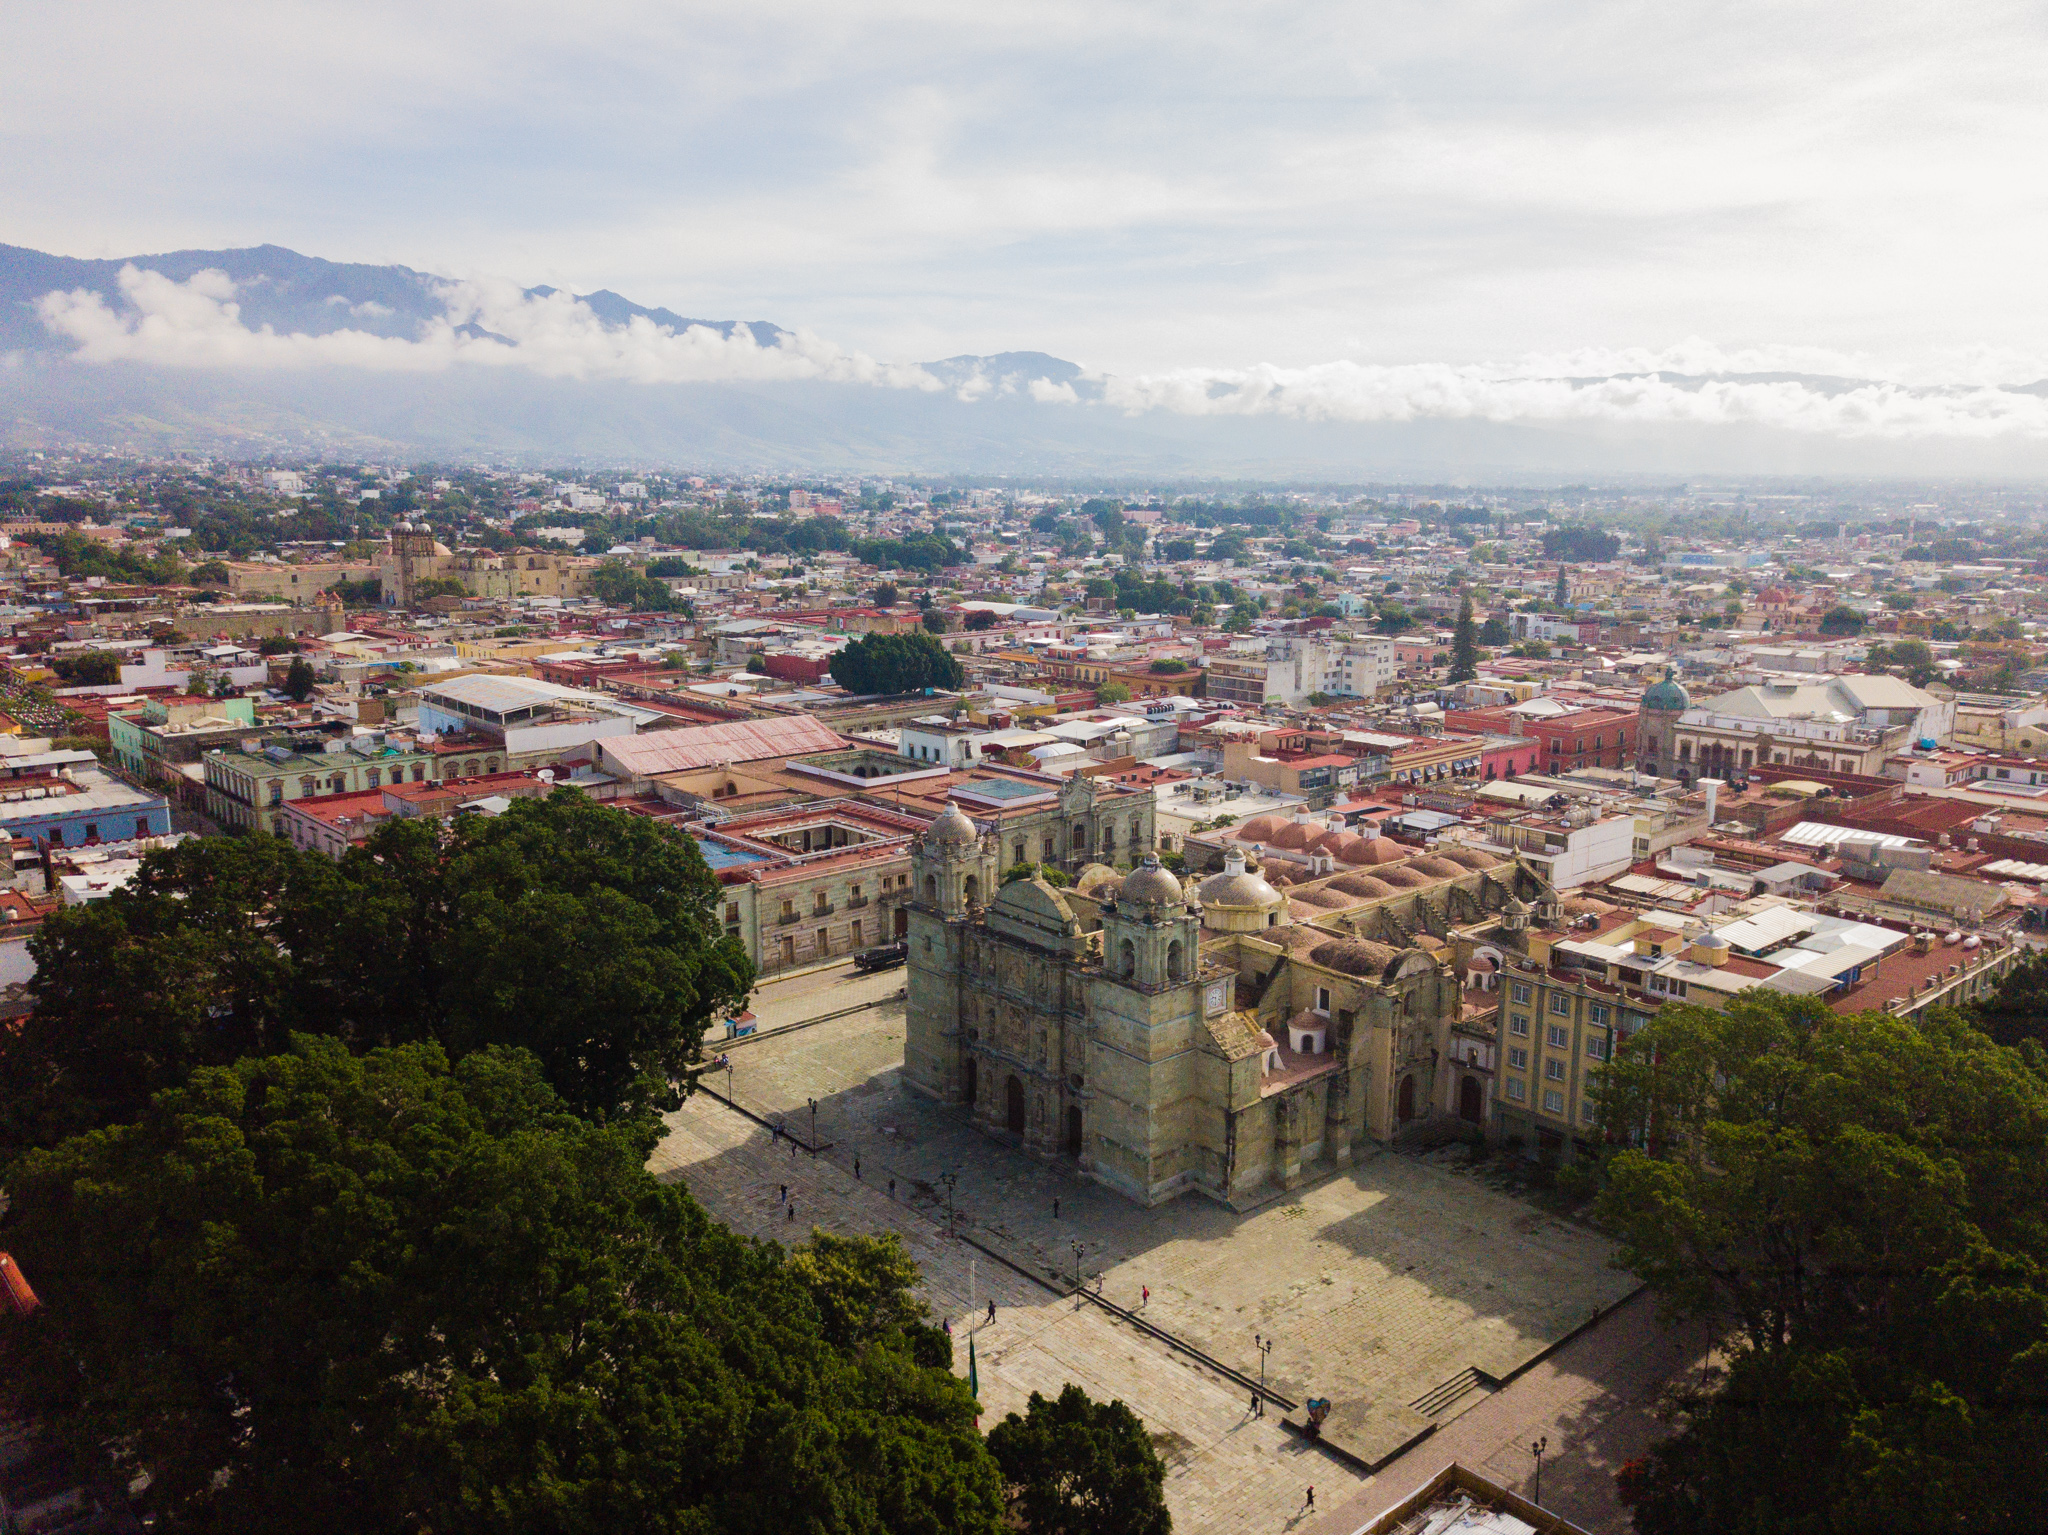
1553, 1101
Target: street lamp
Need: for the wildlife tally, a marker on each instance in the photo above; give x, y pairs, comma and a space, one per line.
1262, 1347
949, 1179
1536, 1449
1077, 1275
814, 1127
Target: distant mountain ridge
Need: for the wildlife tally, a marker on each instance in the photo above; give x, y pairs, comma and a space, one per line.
1010, 413
289, 292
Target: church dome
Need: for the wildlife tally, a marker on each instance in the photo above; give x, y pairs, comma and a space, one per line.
1236, 886
1150, 885
1259, 828
953, 829
1667, 697
1098, 880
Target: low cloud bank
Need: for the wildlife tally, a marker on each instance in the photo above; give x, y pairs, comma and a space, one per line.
197, 324
1979, 395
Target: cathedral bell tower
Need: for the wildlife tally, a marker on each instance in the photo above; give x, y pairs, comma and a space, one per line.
953, 876
1150, 939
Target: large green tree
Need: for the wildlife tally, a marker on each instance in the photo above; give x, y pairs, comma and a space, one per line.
574, 930
1464, 645
320, 1292
895, 663
1076, 1466
1854, 1199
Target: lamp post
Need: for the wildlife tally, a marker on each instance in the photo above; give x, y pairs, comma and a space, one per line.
1262, 1347
814, 1127
1536, 1449
1077, 1274
949, 1179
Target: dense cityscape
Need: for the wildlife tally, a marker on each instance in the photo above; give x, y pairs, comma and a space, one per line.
595, 998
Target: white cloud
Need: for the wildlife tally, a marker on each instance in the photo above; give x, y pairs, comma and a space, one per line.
1046, 392
198, 324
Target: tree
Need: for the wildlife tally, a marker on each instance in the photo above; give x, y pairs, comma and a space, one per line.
934, 621
1112, 693
980, 619
331, 1293
2018, 1010
886, 595
1464, 645
1168, 668
562, 926
1900, 602
895, 663
1562, 597
1393, 619
1841, 620
1075, 1466
1856, 1196
1586, 546
618, 585
299, 679
1495, 631
211, 573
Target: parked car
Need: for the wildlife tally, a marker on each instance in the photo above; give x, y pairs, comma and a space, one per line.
883, 957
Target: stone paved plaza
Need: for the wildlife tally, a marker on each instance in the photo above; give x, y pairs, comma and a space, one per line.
1376, 1285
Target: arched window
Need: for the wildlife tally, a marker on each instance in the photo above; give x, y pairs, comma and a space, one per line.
1685, 751
1176, 967
1129, 958
1080, 839
1017, 852
972, 888
931, 889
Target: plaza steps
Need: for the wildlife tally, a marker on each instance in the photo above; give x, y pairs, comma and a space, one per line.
1434, 1402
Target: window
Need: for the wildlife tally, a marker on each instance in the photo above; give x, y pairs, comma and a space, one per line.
141, 826
1518, 1058
1517, 1090
92, 831
1559, 1036
1519, 991
373, 778
1517, 1024
789, 908
1596, 1012
1553, 1101
1588, 1111
1323, 1000
732, 911
1561, 1003
1596, 1046
1553, 1069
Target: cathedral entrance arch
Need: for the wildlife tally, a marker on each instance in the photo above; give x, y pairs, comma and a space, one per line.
972, 1080
1013, 1095
1405, 1104
1471, 1100
1073, 1131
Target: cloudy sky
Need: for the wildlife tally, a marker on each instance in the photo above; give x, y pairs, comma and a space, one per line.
1139, 187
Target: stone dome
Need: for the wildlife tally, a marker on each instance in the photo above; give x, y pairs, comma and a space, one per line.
1667, 696
1467, 857
1323, 898
1362, 885
1355, 956
1441, 868
1151, 885
1237, 886
953, 829
1404, 877
1295, 834
1376, 850
1260, 828
1098, 880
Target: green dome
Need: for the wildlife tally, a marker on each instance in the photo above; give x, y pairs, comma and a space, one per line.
1667, 696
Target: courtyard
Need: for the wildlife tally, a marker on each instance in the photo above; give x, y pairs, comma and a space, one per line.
1402, 1288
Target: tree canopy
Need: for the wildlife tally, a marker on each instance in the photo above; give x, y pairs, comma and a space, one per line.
895, 663
563, 926
1841, 619
1075, 1466
1464, 645
1858, 1197
1584, 545
330, 1293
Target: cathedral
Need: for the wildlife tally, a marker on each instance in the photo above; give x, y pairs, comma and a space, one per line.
1229, 1036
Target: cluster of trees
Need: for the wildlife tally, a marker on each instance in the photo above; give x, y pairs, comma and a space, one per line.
1581, 545
619, 585
88, 668
1854, 1200
77, 555
332, 1178
895, 663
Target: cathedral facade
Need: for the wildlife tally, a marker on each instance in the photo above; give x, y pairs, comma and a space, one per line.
1226, 1037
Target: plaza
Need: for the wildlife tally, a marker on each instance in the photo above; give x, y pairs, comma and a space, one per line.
1401, 1288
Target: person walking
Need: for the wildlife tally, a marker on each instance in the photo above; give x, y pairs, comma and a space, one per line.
1145, 1291
782, 1198
856, 1169
1311, 1503
1253, 1410
991, 1310
790, 1213
892, 1188
1055, 1209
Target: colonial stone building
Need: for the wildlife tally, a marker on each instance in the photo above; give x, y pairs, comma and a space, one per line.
1229, 1038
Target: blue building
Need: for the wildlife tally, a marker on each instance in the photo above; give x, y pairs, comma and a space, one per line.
62, 799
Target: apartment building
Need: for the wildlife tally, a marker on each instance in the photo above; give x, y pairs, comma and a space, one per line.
249, 789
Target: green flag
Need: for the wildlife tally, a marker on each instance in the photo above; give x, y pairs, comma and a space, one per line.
973, 1375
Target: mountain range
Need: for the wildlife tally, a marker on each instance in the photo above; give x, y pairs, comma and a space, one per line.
263, 351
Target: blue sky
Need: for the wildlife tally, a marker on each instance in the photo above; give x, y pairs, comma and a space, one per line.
1141, 188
